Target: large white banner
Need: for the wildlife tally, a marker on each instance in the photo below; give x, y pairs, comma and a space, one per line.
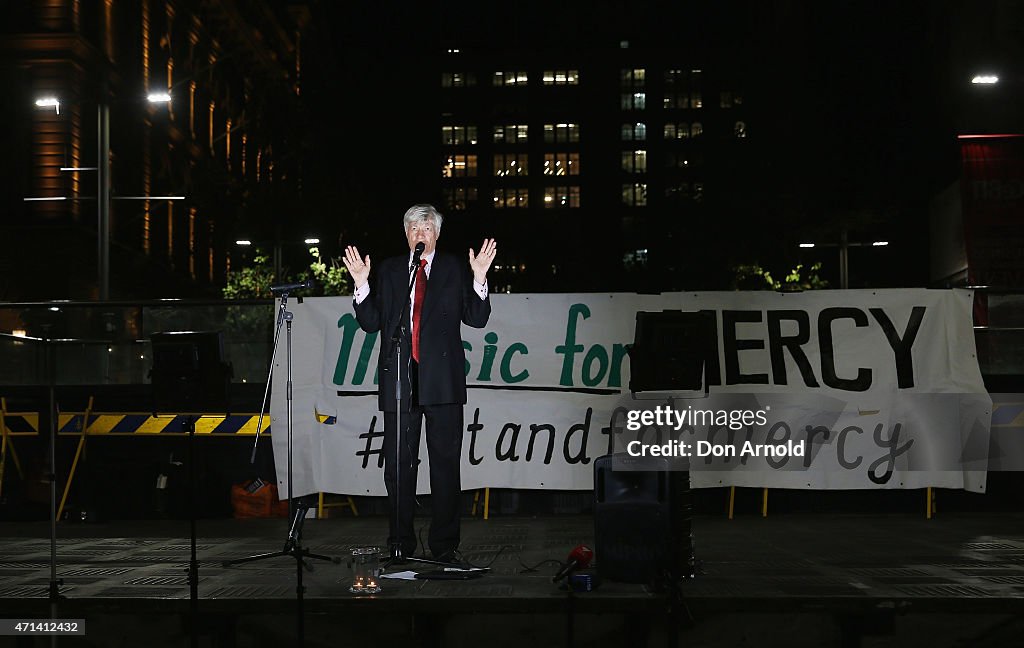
879, 389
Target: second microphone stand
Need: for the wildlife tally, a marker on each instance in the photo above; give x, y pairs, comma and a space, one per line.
296, 510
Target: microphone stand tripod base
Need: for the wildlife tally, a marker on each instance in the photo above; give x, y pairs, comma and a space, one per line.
397, 558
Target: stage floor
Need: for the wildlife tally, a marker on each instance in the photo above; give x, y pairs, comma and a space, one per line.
961, 575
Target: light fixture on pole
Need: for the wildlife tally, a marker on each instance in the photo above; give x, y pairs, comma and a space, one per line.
844, 245
102, 168
278, 246
103, 194
48, 102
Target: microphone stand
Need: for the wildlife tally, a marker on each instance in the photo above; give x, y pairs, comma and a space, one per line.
397, 335
296, 510
53, 591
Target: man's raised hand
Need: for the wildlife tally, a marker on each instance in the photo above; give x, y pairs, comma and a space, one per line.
358, 267
481, 263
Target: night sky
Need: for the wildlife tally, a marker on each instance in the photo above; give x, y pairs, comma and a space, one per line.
852, 128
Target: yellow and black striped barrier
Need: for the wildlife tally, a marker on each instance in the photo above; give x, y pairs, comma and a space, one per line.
14, 424
145, 423
113, 424
105, 424
19, 423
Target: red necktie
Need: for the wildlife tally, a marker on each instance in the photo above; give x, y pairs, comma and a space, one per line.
421, 292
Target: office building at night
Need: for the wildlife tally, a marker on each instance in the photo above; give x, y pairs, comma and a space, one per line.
183, 173
610, 152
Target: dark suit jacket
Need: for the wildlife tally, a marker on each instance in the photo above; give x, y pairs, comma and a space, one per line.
450, 301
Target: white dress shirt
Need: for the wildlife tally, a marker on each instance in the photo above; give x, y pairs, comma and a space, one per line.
362, 293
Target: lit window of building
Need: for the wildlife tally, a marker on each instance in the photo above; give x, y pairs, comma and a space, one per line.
679, 130
457, 79
560, 164
636, 258
561, 77
676, 100
459, 166
682, 89
562, 196
632, 78
677, 77
511, 198
458, 198
511, 78
634, 100
511, 164
457, 135
682, 130
634, 161
511, 134
634, 194
634, 132
561, 133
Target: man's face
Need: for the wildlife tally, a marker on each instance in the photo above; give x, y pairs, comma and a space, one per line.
422, 231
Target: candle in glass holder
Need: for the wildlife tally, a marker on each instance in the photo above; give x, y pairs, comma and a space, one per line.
365, 570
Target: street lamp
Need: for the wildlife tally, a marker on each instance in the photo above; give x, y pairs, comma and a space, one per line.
47, 102
844, 245
278, 244
102, 169
985, 79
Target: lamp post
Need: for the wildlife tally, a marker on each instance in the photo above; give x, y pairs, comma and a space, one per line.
278, 244
103, 197
102, 168
844, 246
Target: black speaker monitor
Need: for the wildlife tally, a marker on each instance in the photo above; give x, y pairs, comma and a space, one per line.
642, 521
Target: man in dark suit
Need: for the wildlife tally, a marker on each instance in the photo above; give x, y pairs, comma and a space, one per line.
447, 293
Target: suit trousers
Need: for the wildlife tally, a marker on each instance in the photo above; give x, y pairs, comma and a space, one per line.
444, 425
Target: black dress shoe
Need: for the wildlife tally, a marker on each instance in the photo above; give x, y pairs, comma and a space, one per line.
452, 556
407, 552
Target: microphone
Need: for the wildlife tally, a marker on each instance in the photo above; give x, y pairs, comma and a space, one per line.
579, 558
288, 287
416, 253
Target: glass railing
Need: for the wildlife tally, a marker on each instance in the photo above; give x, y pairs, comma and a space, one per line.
999, 332
110, 344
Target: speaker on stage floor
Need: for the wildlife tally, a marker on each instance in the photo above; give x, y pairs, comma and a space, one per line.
643, 529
